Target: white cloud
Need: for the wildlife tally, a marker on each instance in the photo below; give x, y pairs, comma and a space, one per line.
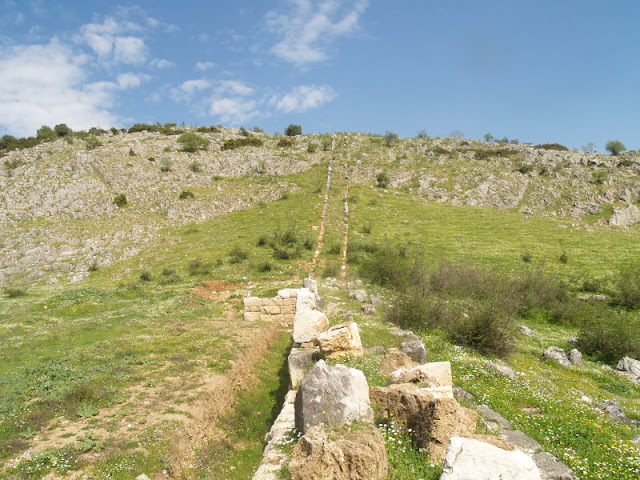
188, 89
303, 98
234, 87
45, 85
129, 50
203, 66
313, 24
161, 63
131, 80
234, 110
109, 41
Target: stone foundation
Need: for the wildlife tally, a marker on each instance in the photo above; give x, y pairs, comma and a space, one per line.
279, 310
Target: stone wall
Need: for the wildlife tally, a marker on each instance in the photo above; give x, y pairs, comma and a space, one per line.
280, 310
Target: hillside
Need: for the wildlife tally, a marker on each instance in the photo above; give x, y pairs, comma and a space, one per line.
125, 262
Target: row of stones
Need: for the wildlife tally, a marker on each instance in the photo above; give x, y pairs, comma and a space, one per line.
278, 310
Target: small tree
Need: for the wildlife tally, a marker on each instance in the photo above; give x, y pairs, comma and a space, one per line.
589, 147
62, 130
382, 179
488, 137
46, 133
191, 142
293, 130
390, 138
456, 134
423, 133
615, 147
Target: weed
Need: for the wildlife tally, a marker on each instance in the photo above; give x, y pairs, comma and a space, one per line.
120, 200
186, 195
132, 153
526, 256
145, 276
14, 292
564, 258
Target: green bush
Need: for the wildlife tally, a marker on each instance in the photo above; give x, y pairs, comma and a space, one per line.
242, 142
609, 336
46, 133
195, 167
132, 153
382, 180
191, 142
62, 130
92, 142
198, 267
186, 195
627, 285
390, 138
285, 142
312, 148
238, 254
326, 143
422, 134
120, 200
165, 165
615, 147
265, 266
211, 129
145, 276
14, 292
552, 146
293, 130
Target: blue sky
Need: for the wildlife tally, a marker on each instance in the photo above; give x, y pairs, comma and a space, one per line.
563, 71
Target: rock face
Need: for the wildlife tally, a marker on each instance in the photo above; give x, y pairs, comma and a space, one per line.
630, 368
415, 350
402, 401
393, 360
469, 459
434, 374
332, 395
308, 324
341, 340
557, 354
551, 468
624, 217
356, 454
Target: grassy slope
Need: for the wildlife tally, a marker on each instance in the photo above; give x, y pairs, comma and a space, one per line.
69, 350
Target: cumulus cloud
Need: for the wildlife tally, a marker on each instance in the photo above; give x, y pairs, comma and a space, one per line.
233, 87
187, 90
234, 110
312, 26
203, 66
131, 80
161, 63
110, 42
303, 98
46, 85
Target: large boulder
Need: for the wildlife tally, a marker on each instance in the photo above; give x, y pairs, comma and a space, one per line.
624, 217
434, 374
402, 402
340, 340
502, 370
393, 360
630, 368
557, 354
360, 295
613, 410
442, 419
415, 350
306, 300
307, 324
299, 362
350, 454
332, 395
575, 357
468, 459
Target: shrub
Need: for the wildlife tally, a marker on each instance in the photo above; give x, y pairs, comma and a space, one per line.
46, 133
165, 165
551, 146
312, 148
390, 138
459, 134
526, 256
382, 180
166, 272
97, 131
627, 285
366, 229
62, 130
330, 270
14, 292
326, 143
242, 142
145, 276
615, 147
186, 195
564, 258
244, 132
92, 142
198, 267
422, 134
211, 129
609, 336
258, 130
524, 169
191, 142
93, 267
238, 254
114, 131
599, 177
195, 167
293, 130
285, 142
487, 328
265, 266
120, 200
132, 153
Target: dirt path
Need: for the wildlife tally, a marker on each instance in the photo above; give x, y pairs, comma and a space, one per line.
323, 216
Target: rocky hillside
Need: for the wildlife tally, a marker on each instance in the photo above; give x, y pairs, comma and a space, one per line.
59, 215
